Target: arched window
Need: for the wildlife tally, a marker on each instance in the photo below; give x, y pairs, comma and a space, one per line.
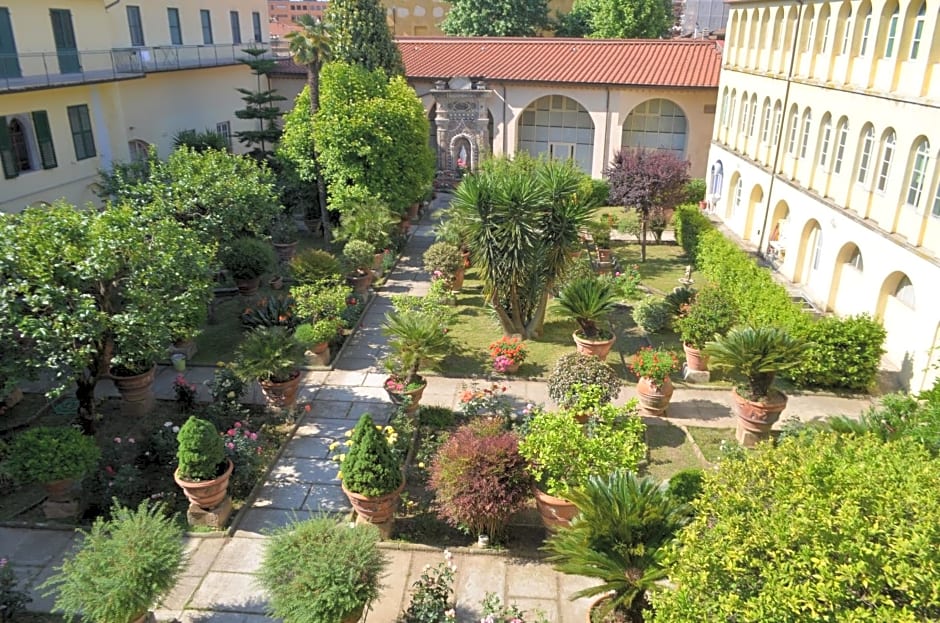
558, 127
826, 25
843, 133
765, 122
936, 202
825, 136
846, 33
139, 150
745, 110
19, 145
810, 40
855, 260
891, 38
738, 192
717, 175
656, 124
807, 125
794, 129
866, 33
864, 161
817, 251
887, 154
778, 121
724, 108
918, 31
731, 101
752, 120
904, 291
918, 173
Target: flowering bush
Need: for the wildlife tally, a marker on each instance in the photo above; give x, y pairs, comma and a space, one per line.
495, 611
371, 465
655, 364
507, 351
246, 452
160, 447
120, 478
185, 393
432, 594
626, 282
396, 385
487, 402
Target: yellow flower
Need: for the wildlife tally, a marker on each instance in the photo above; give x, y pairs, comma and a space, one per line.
339, 474
378, 426
348, 443
348, 433
341, 457
421, 464
334, 446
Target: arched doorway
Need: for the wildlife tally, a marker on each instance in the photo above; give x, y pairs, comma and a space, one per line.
756, 198
779, 232
734, 196
558, 127
808, 255
846, 292
896, 309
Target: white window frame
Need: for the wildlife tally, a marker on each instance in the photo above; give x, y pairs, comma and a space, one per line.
778, 122
892, 36
794, 132
904, 291
765, 124
817, 251
915, 187
738, 192
887, 156
824, 139
825, 34
917, 32
224, 129
866, 32
753, 119
840, 146
865, 153
807, 126
856, 261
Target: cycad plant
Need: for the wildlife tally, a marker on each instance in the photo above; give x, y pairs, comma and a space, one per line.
417, 338
619, 537
268, 354
588, 301
757, 354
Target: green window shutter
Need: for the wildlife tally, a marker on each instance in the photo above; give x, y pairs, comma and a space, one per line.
7, 157
44, 138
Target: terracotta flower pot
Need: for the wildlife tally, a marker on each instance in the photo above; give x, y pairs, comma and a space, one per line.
59, 490
135, 388
604, 256
206, 494
654, 398
248, 287
378, 509
598, 348
399, 397
457, 282
285, 251
413, 211
695, 359
755, 419
555, 512
360, 282
281, 394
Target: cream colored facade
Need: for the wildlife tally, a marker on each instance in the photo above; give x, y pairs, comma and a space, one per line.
826, 156
422, 18
114, 85
608, 108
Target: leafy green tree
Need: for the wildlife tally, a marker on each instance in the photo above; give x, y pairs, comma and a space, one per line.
299, 162
821, 528
94, 289
310, 48
618, 19
372, 132
260, 104
361, 36
496, 18
522, 219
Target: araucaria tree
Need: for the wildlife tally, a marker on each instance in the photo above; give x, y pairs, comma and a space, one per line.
618, 19
260, 106
496, 18
522, 219
645, 179
360, 36
89, 290
372, 132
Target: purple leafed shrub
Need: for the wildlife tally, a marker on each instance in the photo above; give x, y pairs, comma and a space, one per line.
479, 479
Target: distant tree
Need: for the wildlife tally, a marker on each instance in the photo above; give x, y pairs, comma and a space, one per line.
496, 18
372, 132
310, 48
360, 36
618, 19
646, 180
260, 104
299, 169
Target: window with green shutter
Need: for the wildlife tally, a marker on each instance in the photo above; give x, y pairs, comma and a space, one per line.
44, 139
82, 135
7, 155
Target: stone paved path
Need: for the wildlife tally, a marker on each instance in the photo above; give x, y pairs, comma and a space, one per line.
218, 585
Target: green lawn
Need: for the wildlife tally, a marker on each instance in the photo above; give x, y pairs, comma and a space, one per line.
709, 440
664, 266
670, 451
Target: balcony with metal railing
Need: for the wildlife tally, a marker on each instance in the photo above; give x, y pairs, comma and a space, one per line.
44, 70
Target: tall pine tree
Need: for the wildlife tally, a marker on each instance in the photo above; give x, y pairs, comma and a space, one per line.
260, 104
360, 36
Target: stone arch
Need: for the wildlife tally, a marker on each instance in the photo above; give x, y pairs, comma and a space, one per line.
464, 152
557, 126
840, 295
138, 149
656, 123
808, 252
734, 194
896, 288
753, 203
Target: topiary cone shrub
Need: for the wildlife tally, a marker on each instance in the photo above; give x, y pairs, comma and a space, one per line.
201, 451
370, 468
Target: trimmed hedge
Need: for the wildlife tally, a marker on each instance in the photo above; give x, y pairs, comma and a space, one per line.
845, 352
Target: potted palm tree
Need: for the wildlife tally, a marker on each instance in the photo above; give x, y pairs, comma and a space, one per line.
588, 300
619, 537
271, 355
756, 354
416, 338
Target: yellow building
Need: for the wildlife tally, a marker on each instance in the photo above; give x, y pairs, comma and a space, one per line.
98, 82
825, 157
422, 18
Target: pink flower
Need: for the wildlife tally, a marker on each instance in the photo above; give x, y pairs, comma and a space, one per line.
307, 408
230, 445
238, 424
117, 440
252, 436
131, 440
230, 433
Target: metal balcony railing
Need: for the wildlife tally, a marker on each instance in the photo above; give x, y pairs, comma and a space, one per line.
42, 70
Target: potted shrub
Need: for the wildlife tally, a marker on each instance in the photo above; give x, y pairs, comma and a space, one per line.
479, 479
284, 234
652, 314
562, 454
357, 259
53, 456
600, 234
711, 313
577, 369
371, 471
314, 266
619, 536
202, 470
368, 220
121, 568
416, 338
444, 260
314, 338
652, 366
322, 570
270, 355
247, 259
588, 301
508, 353
756, 354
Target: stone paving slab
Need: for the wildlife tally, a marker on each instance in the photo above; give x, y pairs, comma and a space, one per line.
229, 592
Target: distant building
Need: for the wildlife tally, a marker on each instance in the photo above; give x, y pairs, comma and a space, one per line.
702, 18
82, 87
563, 98
825, 157
282, 13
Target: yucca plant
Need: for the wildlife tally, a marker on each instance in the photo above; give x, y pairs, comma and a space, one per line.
619, 537
757, 354
267, 354
588, 301
416, 338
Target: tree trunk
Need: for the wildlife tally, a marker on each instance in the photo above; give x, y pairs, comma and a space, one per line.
646, 218
85, 393
313, 79
536, 326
